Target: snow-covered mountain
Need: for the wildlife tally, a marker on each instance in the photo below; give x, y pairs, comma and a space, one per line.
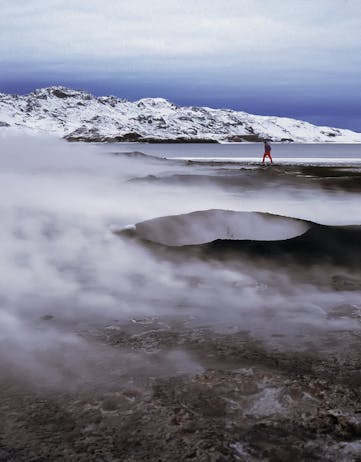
80, 116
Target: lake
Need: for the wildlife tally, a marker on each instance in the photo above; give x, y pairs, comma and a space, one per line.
246, 151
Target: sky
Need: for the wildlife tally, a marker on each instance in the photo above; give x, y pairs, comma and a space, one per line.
299, 58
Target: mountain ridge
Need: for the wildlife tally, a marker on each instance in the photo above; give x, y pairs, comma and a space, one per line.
77, 115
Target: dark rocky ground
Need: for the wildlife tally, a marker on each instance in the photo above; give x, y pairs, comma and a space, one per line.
177, 390
246, 402
300, 178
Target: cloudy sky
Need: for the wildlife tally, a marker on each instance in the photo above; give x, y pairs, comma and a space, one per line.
299, 58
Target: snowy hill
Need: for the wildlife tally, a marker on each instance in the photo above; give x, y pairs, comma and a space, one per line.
80, 116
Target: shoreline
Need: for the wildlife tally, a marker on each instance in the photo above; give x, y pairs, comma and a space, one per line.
327, 161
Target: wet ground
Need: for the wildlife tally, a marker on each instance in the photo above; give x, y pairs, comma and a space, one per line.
243, 401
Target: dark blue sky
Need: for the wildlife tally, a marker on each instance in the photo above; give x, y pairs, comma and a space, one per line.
298, 59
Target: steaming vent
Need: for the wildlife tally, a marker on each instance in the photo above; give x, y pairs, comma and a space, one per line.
210, 225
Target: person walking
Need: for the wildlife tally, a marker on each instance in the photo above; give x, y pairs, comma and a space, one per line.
267, 152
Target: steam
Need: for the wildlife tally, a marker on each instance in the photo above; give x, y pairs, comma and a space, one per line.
66, 275
209, 225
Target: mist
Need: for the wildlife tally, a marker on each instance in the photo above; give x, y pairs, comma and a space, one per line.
69, 280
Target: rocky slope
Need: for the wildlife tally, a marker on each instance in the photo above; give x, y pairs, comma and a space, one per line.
80, 116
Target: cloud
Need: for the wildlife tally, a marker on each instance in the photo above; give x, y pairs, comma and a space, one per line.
127, 37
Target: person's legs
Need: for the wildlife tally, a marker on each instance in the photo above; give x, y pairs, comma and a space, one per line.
267, 154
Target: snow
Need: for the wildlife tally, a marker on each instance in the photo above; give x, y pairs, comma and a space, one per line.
66, 112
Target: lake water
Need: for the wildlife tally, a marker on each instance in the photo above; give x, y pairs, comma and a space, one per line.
246, 151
